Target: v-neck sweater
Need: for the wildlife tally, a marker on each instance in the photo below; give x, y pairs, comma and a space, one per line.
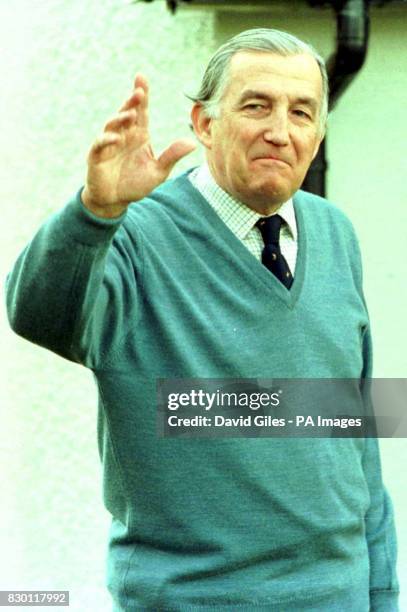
168, 291
242, 220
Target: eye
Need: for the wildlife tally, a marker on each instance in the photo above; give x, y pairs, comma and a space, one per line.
302, 113
254, 106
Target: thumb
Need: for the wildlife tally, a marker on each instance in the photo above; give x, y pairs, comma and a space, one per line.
174, 153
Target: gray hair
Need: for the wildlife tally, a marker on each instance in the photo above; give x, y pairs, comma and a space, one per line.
216, 75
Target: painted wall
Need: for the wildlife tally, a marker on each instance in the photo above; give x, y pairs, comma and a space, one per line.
65, 68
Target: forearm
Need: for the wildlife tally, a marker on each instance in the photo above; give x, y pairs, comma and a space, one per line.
53, 286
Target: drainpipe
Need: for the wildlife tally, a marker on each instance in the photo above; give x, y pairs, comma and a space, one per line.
352, 27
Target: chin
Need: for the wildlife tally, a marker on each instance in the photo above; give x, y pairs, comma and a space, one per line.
270, 194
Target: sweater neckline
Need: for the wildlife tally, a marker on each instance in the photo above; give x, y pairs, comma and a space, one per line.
261, 276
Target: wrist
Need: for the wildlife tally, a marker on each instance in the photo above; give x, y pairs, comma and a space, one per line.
108, 211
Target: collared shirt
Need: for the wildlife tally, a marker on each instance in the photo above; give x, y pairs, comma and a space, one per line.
241, 219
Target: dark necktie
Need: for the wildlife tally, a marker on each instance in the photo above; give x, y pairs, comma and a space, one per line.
271, 256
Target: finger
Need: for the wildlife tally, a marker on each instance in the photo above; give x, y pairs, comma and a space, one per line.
120, 121
141, 95
174, 153
136, 98
138, 101
141, 81
141, 90
100, 147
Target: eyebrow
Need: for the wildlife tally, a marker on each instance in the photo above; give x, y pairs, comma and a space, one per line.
259, 95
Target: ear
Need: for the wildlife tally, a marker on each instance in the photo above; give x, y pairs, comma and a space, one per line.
202, 125
317, 145
319, 140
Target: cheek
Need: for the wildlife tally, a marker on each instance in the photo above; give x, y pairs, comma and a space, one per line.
231, 149
240, 146
227, 155
249, 137
307, 149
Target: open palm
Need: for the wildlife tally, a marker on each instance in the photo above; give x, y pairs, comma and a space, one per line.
122, 167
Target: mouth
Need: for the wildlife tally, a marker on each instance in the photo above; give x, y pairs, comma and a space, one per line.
271, 159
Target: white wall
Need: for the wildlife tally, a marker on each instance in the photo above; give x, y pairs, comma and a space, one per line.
66, 66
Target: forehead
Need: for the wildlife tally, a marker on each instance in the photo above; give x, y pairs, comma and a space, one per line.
295, 75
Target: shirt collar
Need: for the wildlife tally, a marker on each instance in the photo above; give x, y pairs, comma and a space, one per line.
237, 216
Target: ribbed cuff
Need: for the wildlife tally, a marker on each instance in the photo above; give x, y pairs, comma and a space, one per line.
84, 227
384, 601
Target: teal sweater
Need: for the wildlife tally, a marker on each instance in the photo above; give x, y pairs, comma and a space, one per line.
166, 291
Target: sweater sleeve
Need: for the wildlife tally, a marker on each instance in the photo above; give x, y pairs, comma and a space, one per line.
73, 287
379, 520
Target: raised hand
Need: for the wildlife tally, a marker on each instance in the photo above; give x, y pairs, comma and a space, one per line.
122, 167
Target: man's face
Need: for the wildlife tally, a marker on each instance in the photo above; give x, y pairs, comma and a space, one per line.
260, 147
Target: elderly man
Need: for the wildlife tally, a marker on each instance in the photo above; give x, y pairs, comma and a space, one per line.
227, 271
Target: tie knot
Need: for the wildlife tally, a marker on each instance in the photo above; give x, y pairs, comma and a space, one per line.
270, 229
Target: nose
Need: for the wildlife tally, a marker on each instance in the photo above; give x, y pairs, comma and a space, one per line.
277, 131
